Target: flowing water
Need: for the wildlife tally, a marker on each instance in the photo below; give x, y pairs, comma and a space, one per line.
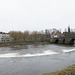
35, 59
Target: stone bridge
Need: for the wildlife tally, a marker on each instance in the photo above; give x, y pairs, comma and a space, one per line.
66, 40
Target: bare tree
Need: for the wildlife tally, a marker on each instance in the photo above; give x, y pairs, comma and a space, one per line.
26, 35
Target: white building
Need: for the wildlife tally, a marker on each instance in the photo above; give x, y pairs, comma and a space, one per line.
4, 37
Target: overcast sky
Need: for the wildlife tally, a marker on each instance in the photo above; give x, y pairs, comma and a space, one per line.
38, 15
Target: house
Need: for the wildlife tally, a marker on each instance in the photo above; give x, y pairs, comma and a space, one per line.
55, 34
4, 36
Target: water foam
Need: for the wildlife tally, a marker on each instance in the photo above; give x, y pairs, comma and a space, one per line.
70, 50
48, 52
8, 55
44, 53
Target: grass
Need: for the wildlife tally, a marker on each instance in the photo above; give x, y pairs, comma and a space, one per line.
10, 43
67, 71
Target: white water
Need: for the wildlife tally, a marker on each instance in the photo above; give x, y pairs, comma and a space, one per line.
48, 52
70, 50
8, 55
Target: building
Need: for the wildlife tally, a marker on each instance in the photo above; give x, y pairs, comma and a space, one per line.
4, 37
55, 34
69, 33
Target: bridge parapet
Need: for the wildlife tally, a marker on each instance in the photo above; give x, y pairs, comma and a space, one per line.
66, 40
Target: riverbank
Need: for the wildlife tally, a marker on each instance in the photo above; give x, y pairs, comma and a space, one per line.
67, 71
2, 44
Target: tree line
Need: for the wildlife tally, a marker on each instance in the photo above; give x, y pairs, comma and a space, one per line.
32, 36
27, 36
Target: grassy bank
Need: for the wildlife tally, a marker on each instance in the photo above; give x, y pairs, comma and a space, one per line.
66, 71
21, 43
2, 44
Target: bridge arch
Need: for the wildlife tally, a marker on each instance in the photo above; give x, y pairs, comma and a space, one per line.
72, 41
56, 41
63, 41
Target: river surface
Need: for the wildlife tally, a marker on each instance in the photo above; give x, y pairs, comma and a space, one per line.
35, 59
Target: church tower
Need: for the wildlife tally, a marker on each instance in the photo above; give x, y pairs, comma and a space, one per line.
68, 29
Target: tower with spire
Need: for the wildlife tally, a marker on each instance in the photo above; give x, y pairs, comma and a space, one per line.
68, 29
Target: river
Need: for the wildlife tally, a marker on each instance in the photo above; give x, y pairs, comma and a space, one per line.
35, 59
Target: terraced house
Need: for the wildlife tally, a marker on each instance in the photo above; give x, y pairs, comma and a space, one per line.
4, 37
